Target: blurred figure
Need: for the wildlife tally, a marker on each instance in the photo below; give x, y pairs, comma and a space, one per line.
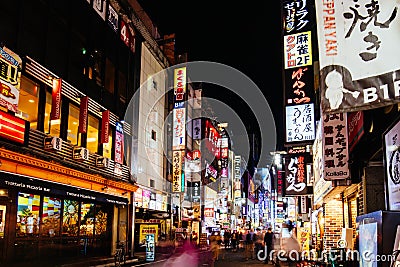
187, 258
249, 245
214, 239
193, 238
234, 240
227, 239
258, 241
268, 241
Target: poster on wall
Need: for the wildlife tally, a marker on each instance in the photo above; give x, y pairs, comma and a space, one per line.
392, 165
358, 67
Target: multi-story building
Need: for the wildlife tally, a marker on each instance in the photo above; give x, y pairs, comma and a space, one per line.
69, 70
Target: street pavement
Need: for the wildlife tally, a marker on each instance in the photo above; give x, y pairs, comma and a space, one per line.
227, 258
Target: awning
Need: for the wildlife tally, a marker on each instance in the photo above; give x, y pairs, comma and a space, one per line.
25, 183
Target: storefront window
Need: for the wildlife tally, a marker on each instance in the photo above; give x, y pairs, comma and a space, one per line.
51, 216
87, 219
70, 218
101, 221
73, 123
54, 128
28, 101
28, 214
92, 135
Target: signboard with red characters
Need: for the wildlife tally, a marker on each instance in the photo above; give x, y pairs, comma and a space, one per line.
13, 128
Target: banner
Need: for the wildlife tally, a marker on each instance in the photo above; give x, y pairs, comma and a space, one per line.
56, 99
359, 68
179, 129
83, 115
335, 146
105, 127
177, 174
355, 125
180, 84
392, 165
119, 143
300, 124
296, 175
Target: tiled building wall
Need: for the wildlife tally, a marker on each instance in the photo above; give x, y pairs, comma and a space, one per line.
333, 213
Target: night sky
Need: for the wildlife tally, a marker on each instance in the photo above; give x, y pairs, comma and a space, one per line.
246, 37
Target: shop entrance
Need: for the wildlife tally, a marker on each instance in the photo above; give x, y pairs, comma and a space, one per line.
4, 208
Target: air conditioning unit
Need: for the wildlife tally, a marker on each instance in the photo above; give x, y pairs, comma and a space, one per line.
102, 162
52, 143
80, 153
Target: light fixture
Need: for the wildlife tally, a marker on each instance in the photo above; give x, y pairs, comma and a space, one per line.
31, 101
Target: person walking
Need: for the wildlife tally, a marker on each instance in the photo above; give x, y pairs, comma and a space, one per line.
258, 241
249, 245
234, 240
193, 238
268, 242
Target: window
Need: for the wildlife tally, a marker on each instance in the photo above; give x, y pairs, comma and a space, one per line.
92, 134
54, 128
110, 76
27, 214
70, 218
101, 220
153, 135
87, 219
51, 216
152, 183
28, 101
73, 123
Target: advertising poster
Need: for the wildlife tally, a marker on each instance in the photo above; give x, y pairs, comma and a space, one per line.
150, 247
10, 79
392, 166
146, 229
297, 50
368, 243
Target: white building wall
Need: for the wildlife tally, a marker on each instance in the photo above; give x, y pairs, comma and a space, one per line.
151, 118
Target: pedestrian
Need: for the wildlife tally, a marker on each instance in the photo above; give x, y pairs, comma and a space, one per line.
214, 239
234, 240
268, 242
193, 238
249, 245
258, 241
184, 236
227, 237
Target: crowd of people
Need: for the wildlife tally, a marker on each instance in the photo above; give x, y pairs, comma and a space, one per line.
251, 242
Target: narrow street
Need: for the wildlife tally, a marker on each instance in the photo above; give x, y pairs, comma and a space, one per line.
227, 259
